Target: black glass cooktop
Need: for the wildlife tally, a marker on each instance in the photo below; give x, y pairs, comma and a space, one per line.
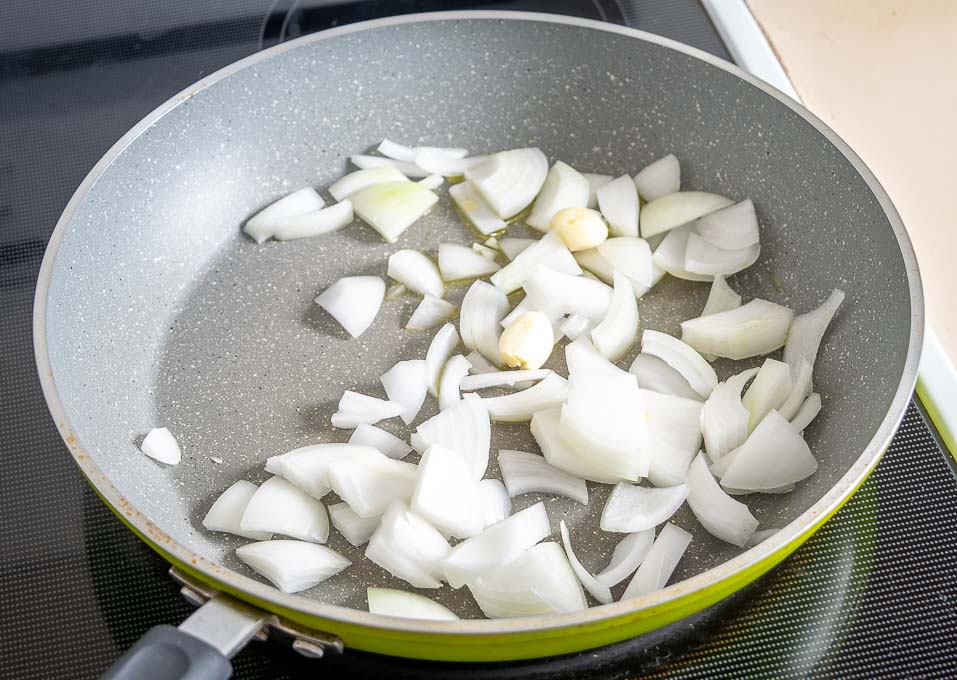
873, 594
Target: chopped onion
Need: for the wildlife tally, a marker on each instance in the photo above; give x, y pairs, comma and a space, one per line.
539, 582
659, 179
618, 202
632, 257
417, 272
391, 207
446, 495
496, 503
464, 428
669, 463
519, 406
356, 181
683, 358
406, 168
702, 257
406, 384
159, 444
432, 182
564, 187
626, 557
368, 485
353, 528
483, 307
292, 566
460, 263
632, 508
530, 473
314, 223
529, 261
479, 365
307, 466
615, 335
756, 328
721, 466
679, 208
808, 412
353, 301
511, 246
280, 507
557, 294
771, 388
355, 408
787, 488
431, 312
510, 180
718, 513
501, 378
478, 212
574, 326
582, 357
802, 387
660, 562
395, 291
444, 342
804, 337
408, 547
384, 442
227, 512
674, 435
437, 162
760, 537
546, 428
261, 226
598, 590
455, 369
774, 455
485, 251
724, 419
593, 262
655, 375
401, 152
595, 182
721, 298
669, 256
391, 602
731, 228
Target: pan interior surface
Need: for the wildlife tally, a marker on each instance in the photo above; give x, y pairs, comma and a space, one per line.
162, 314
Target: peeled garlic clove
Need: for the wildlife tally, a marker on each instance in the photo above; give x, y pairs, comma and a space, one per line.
580, 228
527, 342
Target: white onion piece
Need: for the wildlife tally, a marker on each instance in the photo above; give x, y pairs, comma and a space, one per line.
444, 342
659, 179
770, 388
674, 435
669, 256
391, 207
355, 409
478, 212
757, 328
456, 368
718, 513
502, 379
656, 375
632, 257
801, 389
384, 442
788, 488
539, 582
446, 495
596, 589
724, 419
574, 326
618, 203
483, 308
721, 298
631, 508
557, 294
774, 455
261, 226
401, 152
391, 602
280, 507
485, 251
430, 312
669, 464
674, 210
353, 528
353, 301
496, 504
760, 536
546, 428
660, 562
681, 357
437, 162
432, 182
702, 257
159, 444
511, 246
416, 272
804, 336
524, 266
510, 180
530, 473
594, 263
292, 566
461, 263
731, 228
595, 182
519, 406
626, 557
464, 428
564, 187
368, 485
616, 333
227, 511
405, 167
582, 357
314, 223
480, 365
307, 466
721, 466
395, 291
603, 422
406, 384
408, 547
498, 544
360, 179
808, 412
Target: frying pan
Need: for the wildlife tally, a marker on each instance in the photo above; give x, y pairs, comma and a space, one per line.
153, 310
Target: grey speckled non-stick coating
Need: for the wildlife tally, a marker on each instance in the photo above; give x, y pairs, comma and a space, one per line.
161, 313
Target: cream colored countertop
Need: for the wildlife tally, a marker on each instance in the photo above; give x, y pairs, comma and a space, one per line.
883, 74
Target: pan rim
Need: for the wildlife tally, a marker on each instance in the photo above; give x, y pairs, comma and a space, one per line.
786, 536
